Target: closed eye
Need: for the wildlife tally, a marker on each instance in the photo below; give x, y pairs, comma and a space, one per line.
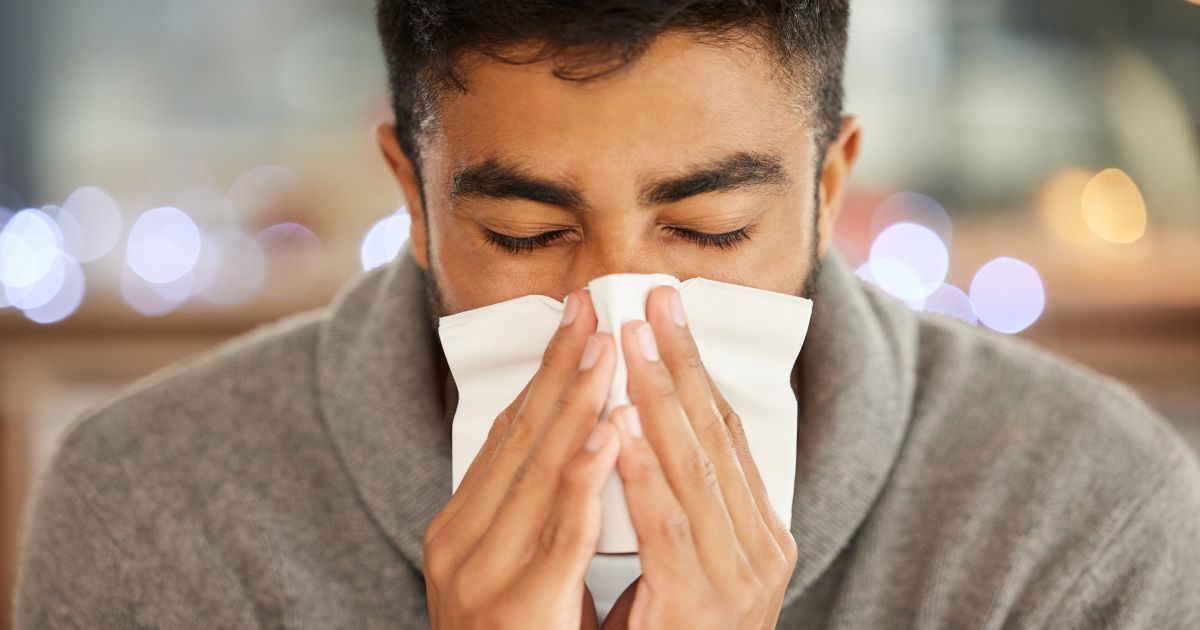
724, 240
517, 245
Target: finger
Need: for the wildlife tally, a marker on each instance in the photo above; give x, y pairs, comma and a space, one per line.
500, 427
693, 387
513, 535
559, 362
690, 473
483, 458
472, 508
570, 534
741, 446
495, 434
666, 543
784, 562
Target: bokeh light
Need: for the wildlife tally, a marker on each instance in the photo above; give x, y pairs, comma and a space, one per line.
951, 301
163, 245
95, 223
142, 296
70, 231
1007, 295
66, 299
1113, 207
1060, 205
898, 274
178, 290
908, 261
231, 267
385, 238
29, 248
41, 290
911, 207
36, 275
5, 215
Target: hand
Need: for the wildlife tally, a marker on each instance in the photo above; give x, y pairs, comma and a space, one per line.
714, 554
511, 547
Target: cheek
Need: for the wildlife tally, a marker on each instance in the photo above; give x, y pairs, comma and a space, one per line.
777, 260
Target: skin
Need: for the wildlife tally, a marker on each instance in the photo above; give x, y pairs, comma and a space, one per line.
505, 551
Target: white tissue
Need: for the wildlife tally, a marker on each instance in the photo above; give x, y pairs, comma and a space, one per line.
748, 340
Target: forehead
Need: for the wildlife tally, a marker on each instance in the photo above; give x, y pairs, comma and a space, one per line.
680, 100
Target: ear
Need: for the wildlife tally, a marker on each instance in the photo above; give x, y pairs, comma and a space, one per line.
839, 161
402, 169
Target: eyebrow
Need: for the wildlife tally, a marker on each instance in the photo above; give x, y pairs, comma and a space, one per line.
503, 179
496, 178
737, 170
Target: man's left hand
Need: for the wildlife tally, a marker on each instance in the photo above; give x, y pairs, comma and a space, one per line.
714, 553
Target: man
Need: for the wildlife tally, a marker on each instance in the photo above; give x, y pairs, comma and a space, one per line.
300, 477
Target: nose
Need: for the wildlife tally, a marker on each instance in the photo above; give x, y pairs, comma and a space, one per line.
598, 260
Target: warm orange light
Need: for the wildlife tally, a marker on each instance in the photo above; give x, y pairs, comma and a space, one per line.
1060, 205
1113, 207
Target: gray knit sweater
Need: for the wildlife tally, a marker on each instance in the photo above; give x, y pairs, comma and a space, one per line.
947, 478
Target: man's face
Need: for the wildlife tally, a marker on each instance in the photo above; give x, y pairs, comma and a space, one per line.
625, 174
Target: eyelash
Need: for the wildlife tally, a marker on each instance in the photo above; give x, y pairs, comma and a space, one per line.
725, 240
516, 245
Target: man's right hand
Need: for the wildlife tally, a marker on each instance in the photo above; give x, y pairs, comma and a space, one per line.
511, 547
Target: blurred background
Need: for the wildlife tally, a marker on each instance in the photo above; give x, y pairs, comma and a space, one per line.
175, 173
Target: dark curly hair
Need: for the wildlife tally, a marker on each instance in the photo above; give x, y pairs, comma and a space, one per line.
423, 40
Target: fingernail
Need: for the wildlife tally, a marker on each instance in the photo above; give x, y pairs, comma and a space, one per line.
677, 310
599, 437
591, 354
645, 338
570, 311
633, 422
